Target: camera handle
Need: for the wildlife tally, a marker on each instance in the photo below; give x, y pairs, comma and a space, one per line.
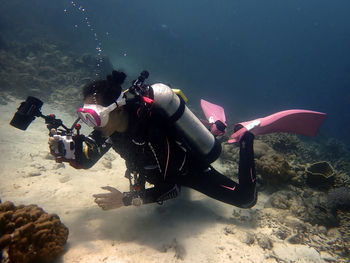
53, 123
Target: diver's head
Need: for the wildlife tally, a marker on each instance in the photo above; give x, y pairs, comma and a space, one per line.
103, 105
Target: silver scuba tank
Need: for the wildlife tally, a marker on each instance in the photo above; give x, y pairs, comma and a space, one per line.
196, 134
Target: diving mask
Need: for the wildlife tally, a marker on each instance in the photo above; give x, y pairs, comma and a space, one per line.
95, 115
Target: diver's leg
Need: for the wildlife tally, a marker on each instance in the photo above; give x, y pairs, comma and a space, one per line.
218, 186
246, 170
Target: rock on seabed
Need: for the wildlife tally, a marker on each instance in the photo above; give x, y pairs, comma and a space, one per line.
296, 253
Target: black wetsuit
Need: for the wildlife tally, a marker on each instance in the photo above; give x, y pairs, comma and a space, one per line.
157, 154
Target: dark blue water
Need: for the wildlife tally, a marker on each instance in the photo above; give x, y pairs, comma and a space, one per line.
252, 57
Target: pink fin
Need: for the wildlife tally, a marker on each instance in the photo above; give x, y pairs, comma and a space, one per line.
302, 122
214, 113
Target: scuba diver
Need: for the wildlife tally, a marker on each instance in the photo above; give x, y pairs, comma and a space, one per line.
165, 144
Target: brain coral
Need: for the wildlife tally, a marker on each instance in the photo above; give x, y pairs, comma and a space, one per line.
29, 234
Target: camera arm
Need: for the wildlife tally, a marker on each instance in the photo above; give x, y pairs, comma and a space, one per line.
53, 123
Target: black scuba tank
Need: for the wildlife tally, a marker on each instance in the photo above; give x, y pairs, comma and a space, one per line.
198, 137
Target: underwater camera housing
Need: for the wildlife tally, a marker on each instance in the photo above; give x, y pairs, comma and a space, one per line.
69, 144
29, 109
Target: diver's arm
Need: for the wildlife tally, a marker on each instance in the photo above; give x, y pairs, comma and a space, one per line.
94, 147
160, 194
156, 194
116, 199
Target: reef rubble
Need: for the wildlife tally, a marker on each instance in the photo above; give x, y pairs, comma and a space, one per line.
313, 218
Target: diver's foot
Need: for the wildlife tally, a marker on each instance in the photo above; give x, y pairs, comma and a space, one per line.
248, 137
237, 127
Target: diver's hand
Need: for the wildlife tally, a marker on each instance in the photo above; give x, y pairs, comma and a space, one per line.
53, 143
111, 200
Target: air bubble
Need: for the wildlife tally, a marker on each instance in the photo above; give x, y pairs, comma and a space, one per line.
99, 50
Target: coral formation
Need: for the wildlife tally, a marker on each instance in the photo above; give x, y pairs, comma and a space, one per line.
282, 142
47, 71
339, 199
261, 148
292, 145
229, 153
274, 169
302, 213
29, 234
308, 206
320, 174
286, 227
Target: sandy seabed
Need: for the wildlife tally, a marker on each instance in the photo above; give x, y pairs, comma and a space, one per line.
191, 228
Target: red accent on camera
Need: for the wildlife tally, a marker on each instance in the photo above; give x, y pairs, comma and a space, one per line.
137, 187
